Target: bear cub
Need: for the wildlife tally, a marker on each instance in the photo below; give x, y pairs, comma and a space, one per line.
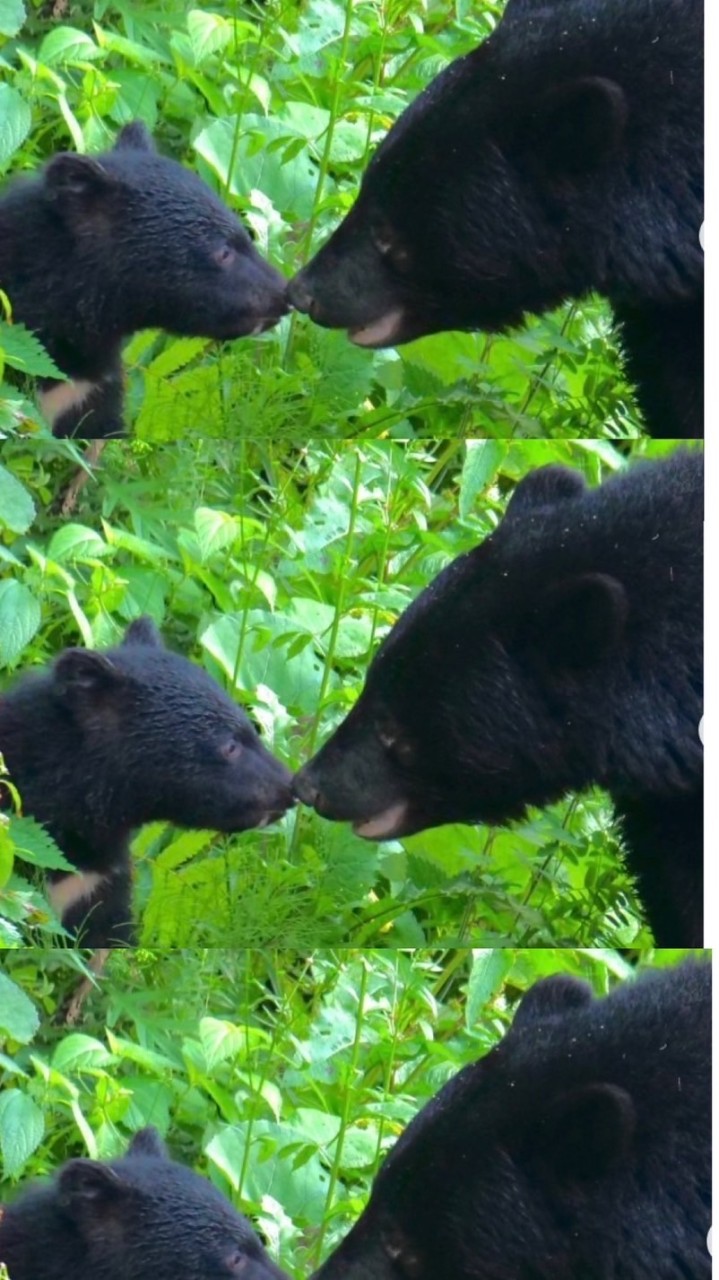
95, 248
579, 1148
102, 743
565, 651
139, 1216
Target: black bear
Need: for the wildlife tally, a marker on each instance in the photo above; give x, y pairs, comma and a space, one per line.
563, 155
578, 1149
104, 742
97, 247
142, 1215
564, 651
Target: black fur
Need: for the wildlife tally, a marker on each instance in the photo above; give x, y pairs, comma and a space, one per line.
95, 248
563, 155
578, 1149
565, 650
130, 1219
104, 742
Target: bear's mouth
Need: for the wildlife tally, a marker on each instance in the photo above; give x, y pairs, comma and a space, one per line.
386, 825
383, 332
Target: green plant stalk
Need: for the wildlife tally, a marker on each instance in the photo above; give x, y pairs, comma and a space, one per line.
339, 606
345, 1115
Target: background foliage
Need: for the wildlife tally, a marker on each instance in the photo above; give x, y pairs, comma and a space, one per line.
282, 1076
279, 106
281, 568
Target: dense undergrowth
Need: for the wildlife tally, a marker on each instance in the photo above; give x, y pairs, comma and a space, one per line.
283, 1076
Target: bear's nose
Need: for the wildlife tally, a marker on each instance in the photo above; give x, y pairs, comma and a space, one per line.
305, 789
299, 295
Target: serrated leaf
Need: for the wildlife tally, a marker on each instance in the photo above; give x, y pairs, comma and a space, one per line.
22, 1129
15, 121
19, 620
209, 33
23, 351
220, 1040
34, 845
76, 542
215, 531
481, 464
79, 1052
18, 1015
67, 44
489, 969
17, 509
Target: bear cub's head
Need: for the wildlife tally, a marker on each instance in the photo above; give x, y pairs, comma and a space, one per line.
139, 1216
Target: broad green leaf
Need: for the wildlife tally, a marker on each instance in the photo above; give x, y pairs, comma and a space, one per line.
22, 1128
12, 16
18, 1016
77, 1053
67, 44
76, 542
17, 509
15, 121
209, 33
19, 620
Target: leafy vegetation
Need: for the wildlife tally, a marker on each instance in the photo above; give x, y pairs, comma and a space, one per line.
279, 106
283, 1076
281, 568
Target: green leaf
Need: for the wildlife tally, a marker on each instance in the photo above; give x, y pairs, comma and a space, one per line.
22, 1128
15, 121
482, 462
76, 542
209, 33
489, 969
247, 160
22, 350
12, 17
17, 509
19, 620
67, 45
79, 1052
34, 845
18, 1016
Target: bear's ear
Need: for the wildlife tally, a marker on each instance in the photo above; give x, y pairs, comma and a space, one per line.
82, 1184
552, 997
578, 126
579, 621
73, 181
82, 675
586, 1132
147, 1142
135, 137
545, 487
143, 631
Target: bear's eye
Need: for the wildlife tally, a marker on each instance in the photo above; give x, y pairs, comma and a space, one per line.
395, 256
396, 746
404, 1260
231, 749
236, 1262
225, 256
